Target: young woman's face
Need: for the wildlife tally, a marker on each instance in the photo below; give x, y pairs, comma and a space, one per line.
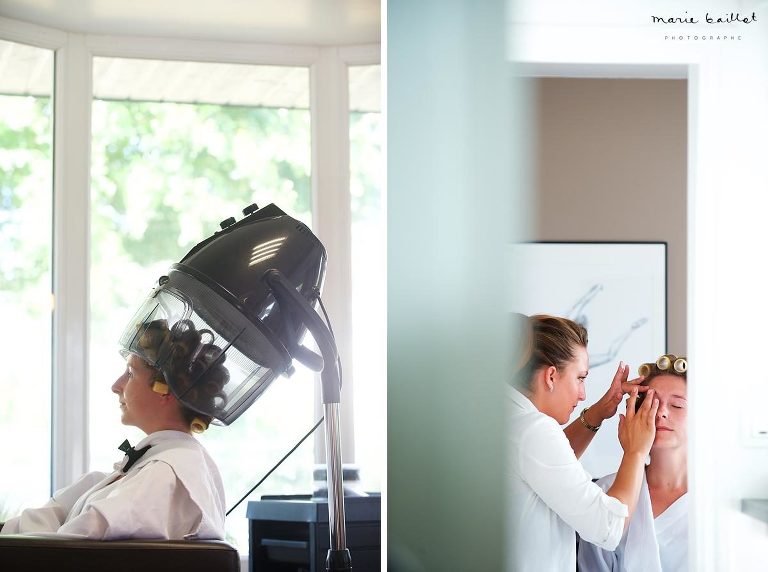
672, 416
569, 384
134, 388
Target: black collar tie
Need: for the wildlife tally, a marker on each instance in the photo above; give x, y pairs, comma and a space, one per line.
132, 454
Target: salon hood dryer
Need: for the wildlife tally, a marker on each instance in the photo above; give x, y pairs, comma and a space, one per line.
230, 317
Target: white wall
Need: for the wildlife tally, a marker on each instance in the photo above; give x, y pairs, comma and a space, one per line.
727, 202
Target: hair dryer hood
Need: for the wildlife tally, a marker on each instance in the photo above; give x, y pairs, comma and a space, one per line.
213, 326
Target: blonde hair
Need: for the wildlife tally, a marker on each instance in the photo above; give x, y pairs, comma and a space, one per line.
543, 341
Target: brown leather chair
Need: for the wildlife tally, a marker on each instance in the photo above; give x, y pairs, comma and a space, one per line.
21, 553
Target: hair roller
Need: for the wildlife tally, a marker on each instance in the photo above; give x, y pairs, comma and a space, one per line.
198, 425
664, 363
161, 387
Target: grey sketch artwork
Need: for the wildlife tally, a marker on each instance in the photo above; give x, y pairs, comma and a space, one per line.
578, 313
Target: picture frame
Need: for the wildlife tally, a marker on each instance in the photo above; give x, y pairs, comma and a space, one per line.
618, 291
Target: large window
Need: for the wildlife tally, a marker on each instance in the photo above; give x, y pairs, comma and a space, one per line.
173, 148
369, 283
177, 148
26, 168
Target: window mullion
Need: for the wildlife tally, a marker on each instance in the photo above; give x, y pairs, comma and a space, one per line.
72, 120
329, 105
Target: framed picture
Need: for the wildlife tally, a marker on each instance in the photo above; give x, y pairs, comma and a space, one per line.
618, 291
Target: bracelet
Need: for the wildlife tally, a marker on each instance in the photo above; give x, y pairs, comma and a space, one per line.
583, 420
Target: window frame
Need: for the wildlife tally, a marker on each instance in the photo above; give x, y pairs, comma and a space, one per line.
73, 96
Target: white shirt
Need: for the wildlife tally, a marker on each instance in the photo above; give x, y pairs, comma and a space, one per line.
173, 491
649, 544
550, 495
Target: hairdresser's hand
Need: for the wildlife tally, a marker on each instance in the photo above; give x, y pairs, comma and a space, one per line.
637, 429
606, 406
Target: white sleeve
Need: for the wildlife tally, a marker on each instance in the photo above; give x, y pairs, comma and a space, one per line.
50, 516
149, 504
550, 467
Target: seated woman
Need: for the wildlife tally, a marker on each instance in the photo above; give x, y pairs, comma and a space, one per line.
167, 487
657, 536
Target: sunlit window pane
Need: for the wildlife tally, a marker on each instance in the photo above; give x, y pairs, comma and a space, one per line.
369, 293
165, 172
26, 131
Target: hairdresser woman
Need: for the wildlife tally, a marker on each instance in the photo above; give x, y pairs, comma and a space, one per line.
550, 494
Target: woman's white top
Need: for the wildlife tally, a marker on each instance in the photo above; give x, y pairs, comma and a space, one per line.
173, 491
649, 544
550, 495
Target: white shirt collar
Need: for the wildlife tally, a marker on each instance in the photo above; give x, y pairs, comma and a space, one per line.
521, 400
160, 436
155, 439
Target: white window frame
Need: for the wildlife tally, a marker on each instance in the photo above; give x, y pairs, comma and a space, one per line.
331, 218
